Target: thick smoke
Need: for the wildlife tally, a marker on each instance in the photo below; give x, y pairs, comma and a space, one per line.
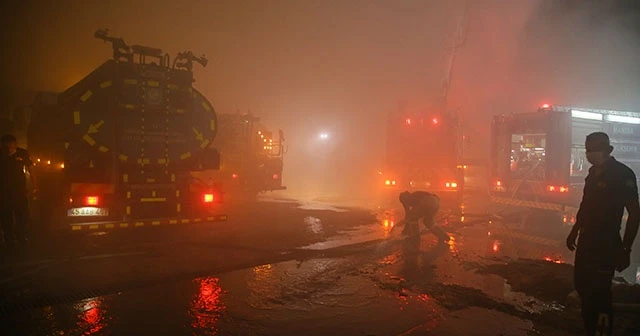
521, 54
582, 53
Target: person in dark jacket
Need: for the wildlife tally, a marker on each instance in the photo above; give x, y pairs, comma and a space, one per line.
609, 188
15, 163
421, 205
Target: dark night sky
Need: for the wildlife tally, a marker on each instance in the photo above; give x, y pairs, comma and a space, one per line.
341, 65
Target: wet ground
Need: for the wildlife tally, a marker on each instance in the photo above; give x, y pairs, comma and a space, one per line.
286, 268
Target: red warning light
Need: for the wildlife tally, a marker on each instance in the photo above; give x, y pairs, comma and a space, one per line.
435, 121
207, 198
234, 176
276, 176
91, 200
545, 106
408, 121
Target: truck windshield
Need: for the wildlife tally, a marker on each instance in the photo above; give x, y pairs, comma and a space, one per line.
528, 156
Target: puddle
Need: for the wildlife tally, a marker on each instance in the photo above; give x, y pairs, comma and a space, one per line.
316, 297
360, 234
314, 224
320, 206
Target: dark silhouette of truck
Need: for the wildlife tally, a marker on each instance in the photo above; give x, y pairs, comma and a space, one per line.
119, 148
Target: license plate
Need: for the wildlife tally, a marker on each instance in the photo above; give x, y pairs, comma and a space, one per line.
87, 212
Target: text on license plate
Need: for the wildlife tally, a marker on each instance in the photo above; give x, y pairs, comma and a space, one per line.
87, 211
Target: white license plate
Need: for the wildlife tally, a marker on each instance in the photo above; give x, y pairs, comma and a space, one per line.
87, 212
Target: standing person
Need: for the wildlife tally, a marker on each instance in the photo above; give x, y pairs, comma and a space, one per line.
421, 205
609, 188
14, 198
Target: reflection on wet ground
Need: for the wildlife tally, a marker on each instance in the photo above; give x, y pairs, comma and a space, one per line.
206, 307
393, 286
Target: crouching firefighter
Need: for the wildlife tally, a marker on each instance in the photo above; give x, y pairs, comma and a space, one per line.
421, 205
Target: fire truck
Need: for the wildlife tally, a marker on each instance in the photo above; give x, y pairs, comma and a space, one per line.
251, 156
424, 148
424, 152
538, 158
118, 148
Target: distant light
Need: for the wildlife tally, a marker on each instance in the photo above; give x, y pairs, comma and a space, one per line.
62, 165
324, 136
276, 176
259, 132
435, 121
234, 176
545, 106
408, 121
49, 162
586, 115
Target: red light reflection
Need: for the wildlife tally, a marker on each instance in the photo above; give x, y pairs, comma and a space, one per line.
388, 226
206, 307
556, 261
91, 318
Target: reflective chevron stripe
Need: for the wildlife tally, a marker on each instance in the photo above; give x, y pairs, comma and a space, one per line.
532, 204
154, 222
